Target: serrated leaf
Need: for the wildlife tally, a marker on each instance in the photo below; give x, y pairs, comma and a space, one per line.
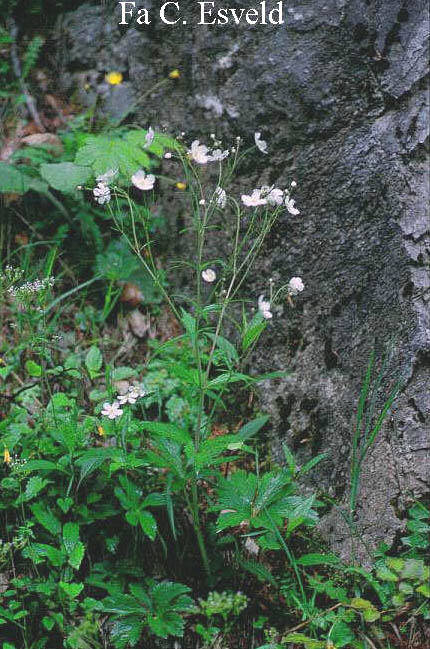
70, 536
34, 485
76, 555
126, 632
93, 361
46, 518
103, 153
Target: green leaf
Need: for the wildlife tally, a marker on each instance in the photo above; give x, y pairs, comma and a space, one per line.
395, 563
33, 369
252, 427
93, 361
46, 518
300, 638
126, 632
317, 560
34, 486
413, 569
76, 555
253, 331
41, 465
169, 431
70, 536
65, 176
103, 153
148, 524
313, 462
64, 504
48, 622
71, 590
14, 180
424, 589
341, 635
226, 378
228, 350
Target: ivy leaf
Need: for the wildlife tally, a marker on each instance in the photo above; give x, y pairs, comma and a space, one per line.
64, 504
33, 369
65, 176
71, 590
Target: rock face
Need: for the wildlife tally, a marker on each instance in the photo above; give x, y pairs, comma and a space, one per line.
339, 92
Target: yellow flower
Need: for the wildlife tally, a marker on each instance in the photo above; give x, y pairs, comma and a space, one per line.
2, 362
6, 456
114, 78
181, 186
101, 431
174, 74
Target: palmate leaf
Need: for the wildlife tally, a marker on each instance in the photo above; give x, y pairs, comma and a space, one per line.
169, 623
103, 153
126, 632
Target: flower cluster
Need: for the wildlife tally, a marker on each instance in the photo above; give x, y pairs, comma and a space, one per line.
201, 154
114, 410
295, 285
30, 289
10, 275
101, 193
272, 196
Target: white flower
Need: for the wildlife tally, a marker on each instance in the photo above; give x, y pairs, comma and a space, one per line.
218, 155
199, 153
101, 193
143, 181
202, 202
289, 203
134, 393
112, 411
149, 138
295, 285
209, 275
259, 143
293, 183
138, 391
273, 195
254, 200
220, 197
168, 155
264, 308
251, 546
106, 178
126, 398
